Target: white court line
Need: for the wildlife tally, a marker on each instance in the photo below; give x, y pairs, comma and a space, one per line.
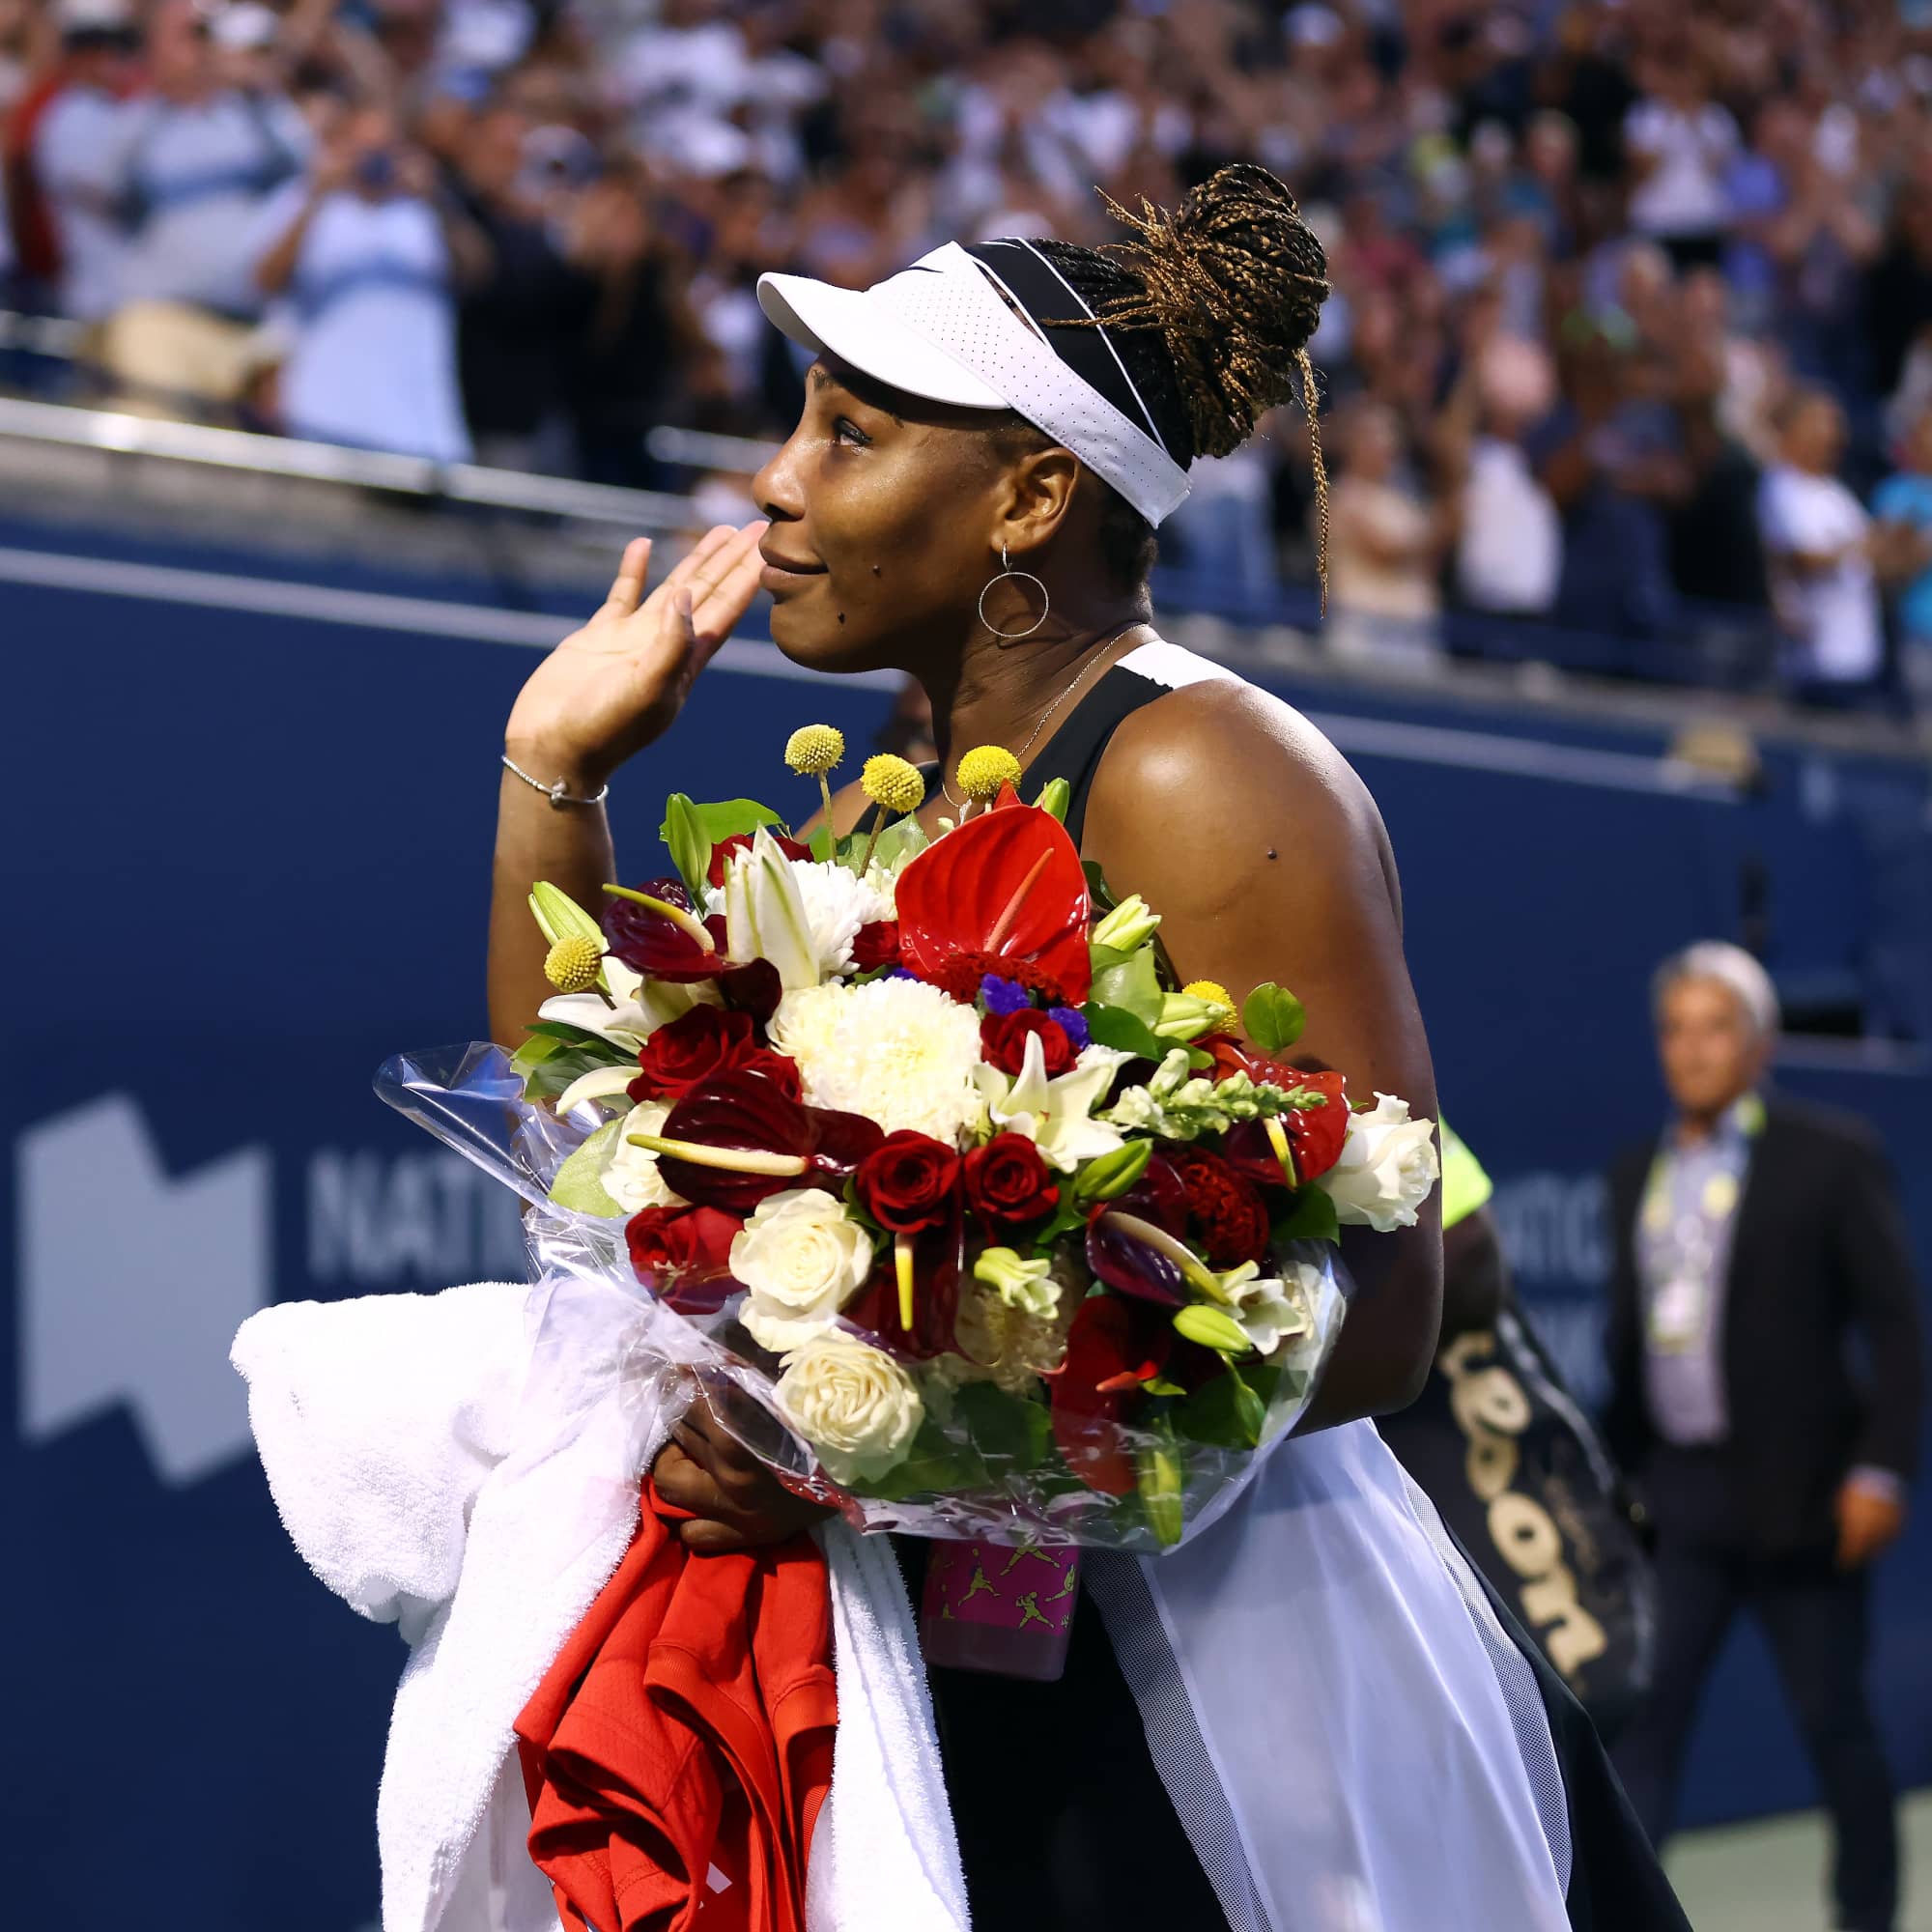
383, 611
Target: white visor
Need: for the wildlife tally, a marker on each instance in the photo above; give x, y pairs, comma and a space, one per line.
949, 331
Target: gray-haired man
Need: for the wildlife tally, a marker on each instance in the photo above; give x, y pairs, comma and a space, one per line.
1754, 1240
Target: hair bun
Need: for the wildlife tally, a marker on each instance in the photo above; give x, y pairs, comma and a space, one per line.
1233, 279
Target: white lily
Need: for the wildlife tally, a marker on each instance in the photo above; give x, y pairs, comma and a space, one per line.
764, 913
601, 1083
637, 1009
1055, 1114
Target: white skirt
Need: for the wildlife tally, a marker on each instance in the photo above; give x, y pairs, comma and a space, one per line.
1350, 1740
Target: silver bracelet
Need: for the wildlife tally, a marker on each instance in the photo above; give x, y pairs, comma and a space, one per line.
556, 793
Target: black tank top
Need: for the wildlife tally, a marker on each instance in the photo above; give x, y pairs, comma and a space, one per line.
1079, 743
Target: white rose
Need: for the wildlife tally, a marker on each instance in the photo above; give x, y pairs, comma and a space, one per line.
856, 1406
630, 1177
801, 1255
1388, 1167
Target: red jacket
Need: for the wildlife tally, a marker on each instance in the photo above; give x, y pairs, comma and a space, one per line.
678, 1752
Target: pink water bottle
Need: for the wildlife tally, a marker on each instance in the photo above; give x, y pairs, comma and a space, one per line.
990, 1607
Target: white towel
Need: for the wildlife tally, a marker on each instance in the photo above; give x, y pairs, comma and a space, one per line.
467, 1465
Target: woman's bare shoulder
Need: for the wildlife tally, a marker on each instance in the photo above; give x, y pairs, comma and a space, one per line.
1226, 745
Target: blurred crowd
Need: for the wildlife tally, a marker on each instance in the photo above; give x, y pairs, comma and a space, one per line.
1631, 324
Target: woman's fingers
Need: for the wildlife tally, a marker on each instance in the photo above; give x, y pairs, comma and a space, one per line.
627, 589
727, 561
717, 613
694, 558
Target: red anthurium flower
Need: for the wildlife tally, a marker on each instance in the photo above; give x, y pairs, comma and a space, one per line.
754, 988
875, 945
783, 1143
684, 1254
649, 942
741, 841
938, 1262
1312, 1135
1112, 1349
1002, 894
1002, 1038
1316, 1133
909, 1181
1226, 1207
1120, 1256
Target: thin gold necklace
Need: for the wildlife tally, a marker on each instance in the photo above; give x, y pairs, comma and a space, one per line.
959, 804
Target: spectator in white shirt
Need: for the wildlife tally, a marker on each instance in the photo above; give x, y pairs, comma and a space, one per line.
1817, 547
1509, 552
198, 161
1384, 548
1679, 144
74, 149
368, 253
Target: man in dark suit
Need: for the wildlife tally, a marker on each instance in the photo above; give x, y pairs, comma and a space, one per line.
1754, 1240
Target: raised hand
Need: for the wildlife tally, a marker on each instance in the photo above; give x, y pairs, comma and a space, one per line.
614, 686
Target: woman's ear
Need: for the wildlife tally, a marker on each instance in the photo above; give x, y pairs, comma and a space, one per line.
1040, 490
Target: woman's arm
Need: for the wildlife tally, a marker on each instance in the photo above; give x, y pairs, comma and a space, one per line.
600, 697
1267, 859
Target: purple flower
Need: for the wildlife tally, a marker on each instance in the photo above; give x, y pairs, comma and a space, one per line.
1004, 996
1075, 1023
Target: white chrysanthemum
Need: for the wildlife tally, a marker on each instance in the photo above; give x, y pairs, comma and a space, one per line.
837, 902
898, 1051
630, 1177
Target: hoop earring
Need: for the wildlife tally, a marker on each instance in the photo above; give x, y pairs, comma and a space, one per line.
1006, 570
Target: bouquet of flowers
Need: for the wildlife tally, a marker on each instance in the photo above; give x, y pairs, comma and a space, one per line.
917, 1144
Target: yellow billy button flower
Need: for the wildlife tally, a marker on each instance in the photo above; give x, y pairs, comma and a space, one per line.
985, 770
812, 750
893, 785
571, 964
1212, 993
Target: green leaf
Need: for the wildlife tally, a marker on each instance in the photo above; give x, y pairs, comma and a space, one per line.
727, 818
1273, 1017
1228, 1413
823, 843
1006, 1429
1069, 1215
575, 1035
932, 1465
1132, 984
533, 1052
1160, 1385
546, 1078
1126, 1031
1310, 1217
578, 1183
904, 838
688, 843
1097, 889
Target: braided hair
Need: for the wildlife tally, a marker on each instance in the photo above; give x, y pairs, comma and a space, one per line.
1210, 308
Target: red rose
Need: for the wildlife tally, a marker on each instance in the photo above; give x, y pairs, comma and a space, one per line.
1002, 1038
908, 1182
682, 1251
876, 945
1007, 1180
691, 1050
1226, 1206
721, 853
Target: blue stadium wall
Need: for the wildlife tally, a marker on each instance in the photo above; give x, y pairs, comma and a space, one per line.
247, 857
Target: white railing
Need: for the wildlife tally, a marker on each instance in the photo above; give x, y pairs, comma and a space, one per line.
67, 427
